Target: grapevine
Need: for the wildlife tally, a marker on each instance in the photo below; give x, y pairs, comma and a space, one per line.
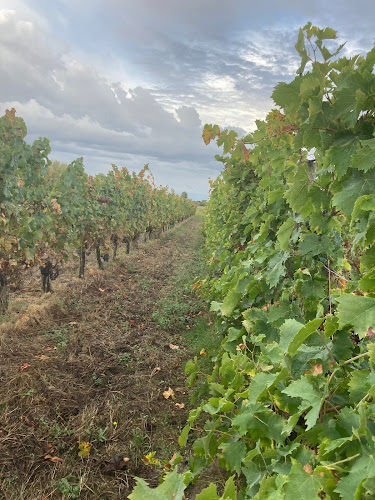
290, 231
46, 215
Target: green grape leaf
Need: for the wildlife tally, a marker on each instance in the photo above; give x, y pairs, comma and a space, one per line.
314, 244
284, 233
297, 194
276, 268
233, 453
209, 493
311, 398
172, 488
286, 95
364, 159
231, 301
300, 484
356, 311
288, 330
303, 333
357, 185
350, 486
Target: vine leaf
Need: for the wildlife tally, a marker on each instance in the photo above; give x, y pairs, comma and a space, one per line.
172, 488
351, 486
356, 311
311, 397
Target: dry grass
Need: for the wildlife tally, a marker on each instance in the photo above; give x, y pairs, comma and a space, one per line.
75, 361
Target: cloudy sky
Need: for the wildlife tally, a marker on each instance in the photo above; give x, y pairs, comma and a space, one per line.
134, 81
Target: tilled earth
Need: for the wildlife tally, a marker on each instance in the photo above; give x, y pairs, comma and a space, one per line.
83, 371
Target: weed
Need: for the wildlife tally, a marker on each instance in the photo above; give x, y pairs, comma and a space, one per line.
144, 283
132, 268
60, 336
101, 435
98, 379
124, 358
29, 393
67, 488
139, 438
55, 431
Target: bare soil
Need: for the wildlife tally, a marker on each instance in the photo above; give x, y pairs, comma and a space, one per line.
89, 364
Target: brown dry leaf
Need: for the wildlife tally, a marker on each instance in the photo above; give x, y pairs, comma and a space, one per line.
102, 289
370, 332
73, 323
42, 356
307, 468
241, 347
49, 448
316, 369
342, 282
125, 295
180, 405
174, 347
24, 366
169, 393
91, 271
25, 318
55, 460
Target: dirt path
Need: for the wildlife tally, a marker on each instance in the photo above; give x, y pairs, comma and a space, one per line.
90, 369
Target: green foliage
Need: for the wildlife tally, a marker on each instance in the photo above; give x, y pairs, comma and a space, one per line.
288, 409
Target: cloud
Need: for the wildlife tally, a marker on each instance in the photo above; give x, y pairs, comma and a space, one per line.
134, 82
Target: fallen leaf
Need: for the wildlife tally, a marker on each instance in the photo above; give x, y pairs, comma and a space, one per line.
169, 393
174, 347
25, 318
180, 405
24, 366
125, 295
55, 460
73, 323
307, 468
102, 289
42, 356
203, 352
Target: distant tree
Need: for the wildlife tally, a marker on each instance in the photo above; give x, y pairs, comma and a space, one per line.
184, 194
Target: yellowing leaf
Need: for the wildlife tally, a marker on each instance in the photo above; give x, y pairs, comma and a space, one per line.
203, 352
84, 449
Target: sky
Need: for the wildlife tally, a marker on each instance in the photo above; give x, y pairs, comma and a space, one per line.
130, 82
